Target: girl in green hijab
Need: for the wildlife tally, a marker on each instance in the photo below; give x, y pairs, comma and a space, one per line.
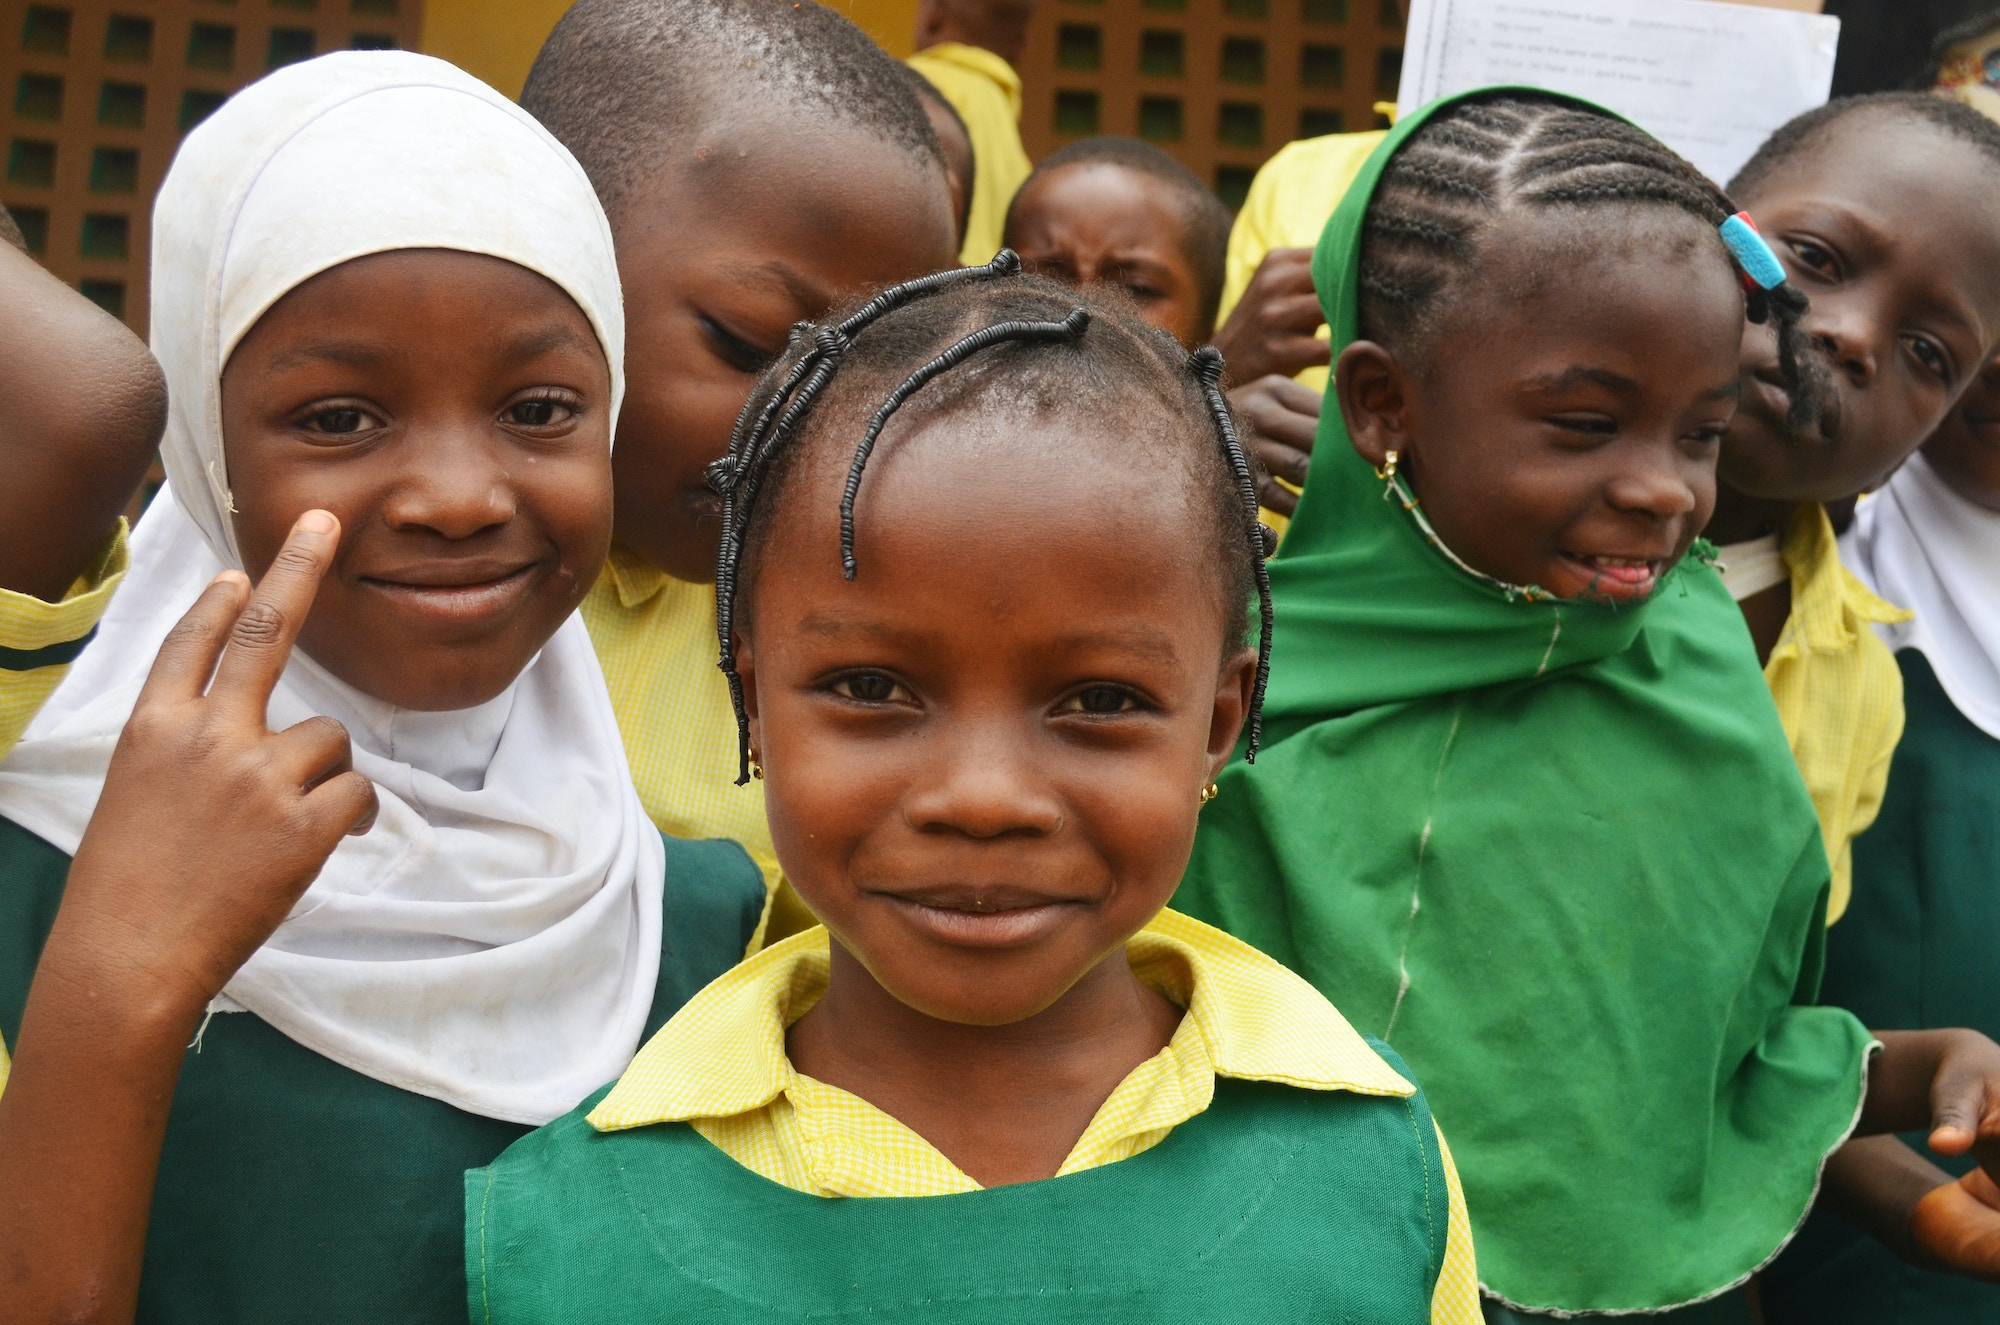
1524, 809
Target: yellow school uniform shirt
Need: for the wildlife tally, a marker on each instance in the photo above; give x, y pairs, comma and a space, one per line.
39, 640
720, 1065
1289, 203
655, 639
1838, 690
986, 93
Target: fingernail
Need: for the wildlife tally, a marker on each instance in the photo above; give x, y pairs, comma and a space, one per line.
316, 522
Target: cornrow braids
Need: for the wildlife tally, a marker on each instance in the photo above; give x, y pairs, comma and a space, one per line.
1448, 185
967, 338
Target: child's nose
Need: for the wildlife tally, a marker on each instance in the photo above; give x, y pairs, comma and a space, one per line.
987, 786
1847, 337
1659, 491
453, 486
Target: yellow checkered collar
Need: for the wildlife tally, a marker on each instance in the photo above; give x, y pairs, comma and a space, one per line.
1247, 1017
636, 579
1830, 604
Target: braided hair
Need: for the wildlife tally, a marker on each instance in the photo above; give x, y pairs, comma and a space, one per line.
970, 338
1450, 182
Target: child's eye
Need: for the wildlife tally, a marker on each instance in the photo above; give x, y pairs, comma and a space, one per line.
1814, 258
1101, 700
1590, 425
870, 688
1927, 353
733, 350
539, 412
341, 421
1145, 294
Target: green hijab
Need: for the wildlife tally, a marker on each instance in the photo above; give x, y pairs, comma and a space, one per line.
1557, 854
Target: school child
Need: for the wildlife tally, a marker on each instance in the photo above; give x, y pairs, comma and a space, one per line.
387, 308
987, 783
81, 408
969, 50
1916, 946
1881, 210
1123, 212
760, 164
1526, 812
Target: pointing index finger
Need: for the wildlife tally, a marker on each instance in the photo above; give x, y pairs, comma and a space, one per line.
260, 643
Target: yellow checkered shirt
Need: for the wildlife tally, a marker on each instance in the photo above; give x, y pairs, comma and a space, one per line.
655, 639
1838, 690
721, 1066
30, 630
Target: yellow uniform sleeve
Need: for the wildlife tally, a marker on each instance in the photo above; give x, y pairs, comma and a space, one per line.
1253, 235
986, 93
1455, 1300
39, 640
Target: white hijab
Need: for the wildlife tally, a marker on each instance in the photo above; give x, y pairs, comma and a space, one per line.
1921, 545
494, 940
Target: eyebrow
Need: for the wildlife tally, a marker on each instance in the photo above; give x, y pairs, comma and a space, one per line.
348, 353
532, 344
1151, 645
776, 275
1580, 375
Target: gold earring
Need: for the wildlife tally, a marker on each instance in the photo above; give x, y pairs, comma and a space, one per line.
756, 769
1387, 469
1209, 793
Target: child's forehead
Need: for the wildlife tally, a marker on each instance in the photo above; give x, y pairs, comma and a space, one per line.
1111, 182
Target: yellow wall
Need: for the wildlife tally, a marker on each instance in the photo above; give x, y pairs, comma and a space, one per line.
496, 40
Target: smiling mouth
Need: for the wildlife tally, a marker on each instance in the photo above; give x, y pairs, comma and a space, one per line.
983, 917
1615, 579
458, 601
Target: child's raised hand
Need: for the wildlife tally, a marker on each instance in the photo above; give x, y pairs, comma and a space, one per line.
211, 825
1271, 329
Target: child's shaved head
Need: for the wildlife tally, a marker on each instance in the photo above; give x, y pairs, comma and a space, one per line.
1204, 220
1951, 118
1120, 212
620, 80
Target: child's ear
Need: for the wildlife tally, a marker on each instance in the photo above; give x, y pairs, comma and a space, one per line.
1233, 689
1374, 392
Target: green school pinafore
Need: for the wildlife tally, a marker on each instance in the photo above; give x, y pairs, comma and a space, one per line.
1275, 1204
294, 1189
1918, 947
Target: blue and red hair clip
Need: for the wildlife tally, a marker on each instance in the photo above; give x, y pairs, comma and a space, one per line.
1761, 268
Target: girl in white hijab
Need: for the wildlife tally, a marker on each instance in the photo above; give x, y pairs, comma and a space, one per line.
488, 952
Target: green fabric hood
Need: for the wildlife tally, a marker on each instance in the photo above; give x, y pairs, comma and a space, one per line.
1557, 854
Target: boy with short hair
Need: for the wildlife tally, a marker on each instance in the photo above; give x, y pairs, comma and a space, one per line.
759, 164
1122, 212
